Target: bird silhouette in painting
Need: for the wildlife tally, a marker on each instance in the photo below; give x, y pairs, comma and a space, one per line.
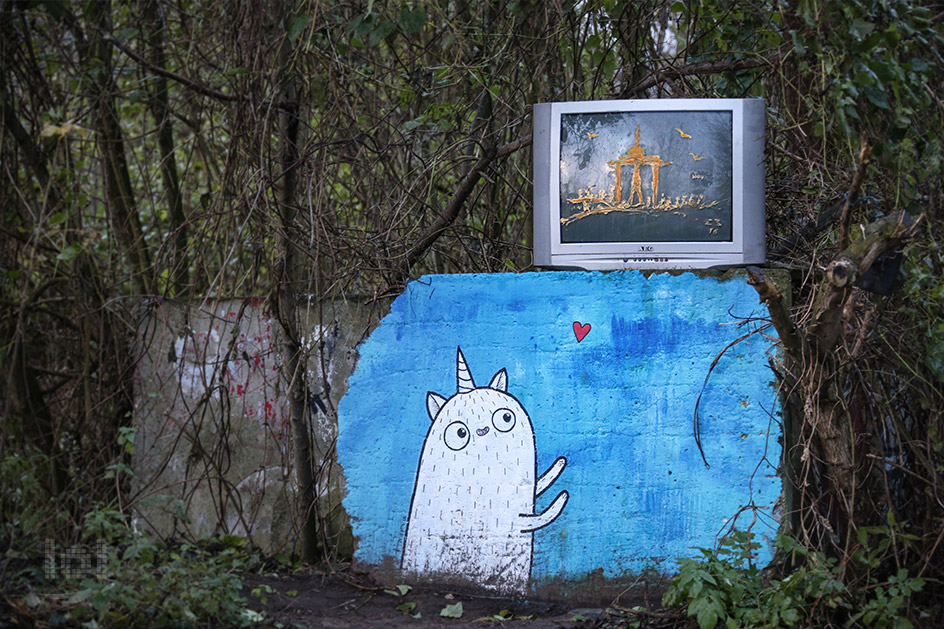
592, 135
682, 133
696, 157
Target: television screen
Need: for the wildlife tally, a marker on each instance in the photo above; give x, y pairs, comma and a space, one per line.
660, 183
645, 176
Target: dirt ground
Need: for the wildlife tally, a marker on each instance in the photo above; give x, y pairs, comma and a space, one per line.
349, 600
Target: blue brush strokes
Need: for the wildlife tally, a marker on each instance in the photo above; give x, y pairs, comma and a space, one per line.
618, 405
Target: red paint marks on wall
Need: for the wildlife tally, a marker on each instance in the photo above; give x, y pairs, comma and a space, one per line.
241, 365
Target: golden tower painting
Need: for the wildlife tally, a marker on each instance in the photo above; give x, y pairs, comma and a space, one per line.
636, 157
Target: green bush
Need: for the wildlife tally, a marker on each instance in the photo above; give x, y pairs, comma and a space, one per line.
725, 588
924, 292
148, 583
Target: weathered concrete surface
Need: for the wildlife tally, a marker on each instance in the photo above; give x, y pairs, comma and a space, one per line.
607, 368
213, 451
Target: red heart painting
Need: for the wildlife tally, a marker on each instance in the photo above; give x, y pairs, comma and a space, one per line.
581, 331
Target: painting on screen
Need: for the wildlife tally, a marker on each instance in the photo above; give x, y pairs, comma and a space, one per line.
646, 176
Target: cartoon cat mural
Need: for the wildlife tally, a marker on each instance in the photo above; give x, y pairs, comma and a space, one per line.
472, 514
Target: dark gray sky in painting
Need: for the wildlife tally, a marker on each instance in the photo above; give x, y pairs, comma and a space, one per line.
590, 140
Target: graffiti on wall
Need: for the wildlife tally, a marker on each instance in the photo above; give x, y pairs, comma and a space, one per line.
607, 369
235, 360
472, 514
213, 445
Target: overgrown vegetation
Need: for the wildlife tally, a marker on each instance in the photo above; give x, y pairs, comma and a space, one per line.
117, 578
725, 588
146, 583
187, 150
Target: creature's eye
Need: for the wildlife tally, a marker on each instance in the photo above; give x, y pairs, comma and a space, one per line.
503, 419
456, 436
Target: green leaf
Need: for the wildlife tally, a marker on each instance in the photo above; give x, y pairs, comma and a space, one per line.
69, 253
296, 24
884, 71
919, 65
81, 595
403, 589
127, 34
707, 618
877, 96
861, 28
797, 43
58, 217
412, 21
382, 31
233, 541
57, 8
406, 608
116, 469
452, 611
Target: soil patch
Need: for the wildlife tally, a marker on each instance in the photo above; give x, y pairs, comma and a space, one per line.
347, 600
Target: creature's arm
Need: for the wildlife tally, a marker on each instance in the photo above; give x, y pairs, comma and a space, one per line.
533, 522
547, 478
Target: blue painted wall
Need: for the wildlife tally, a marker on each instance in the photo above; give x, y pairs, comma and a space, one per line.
618, 404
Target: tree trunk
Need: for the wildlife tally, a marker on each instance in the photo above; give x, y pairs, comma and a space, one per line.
816, 378
119, 191
160, 108
288, 276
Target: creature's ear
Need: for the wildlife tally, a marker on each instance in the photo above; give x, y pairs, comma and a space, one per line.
500, 381
434, 402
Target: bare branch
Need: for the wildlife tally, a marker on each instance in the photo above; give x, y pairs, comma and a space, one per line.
883, 235
444, 220
511, 147
852, 196
190, 83
779, 314
702, 67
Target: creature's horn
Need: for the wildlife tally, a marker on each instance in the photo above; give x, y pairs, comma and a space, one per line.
464, 381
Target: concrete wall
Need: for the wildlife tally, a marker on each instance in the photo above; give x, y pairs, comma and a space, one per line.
559, 448
213, 454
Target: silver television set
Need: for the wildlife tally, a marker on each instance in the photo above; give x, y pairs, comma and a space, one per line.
649, 184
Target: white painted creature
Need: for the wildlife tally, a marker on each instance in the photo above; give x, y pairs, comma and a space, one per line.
472, 515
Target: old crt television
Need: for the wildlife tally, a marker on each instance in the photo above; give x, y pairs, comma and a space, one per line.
649, 184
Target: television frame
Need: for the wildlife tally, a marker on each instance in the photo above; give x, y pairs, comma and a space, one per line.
748, 230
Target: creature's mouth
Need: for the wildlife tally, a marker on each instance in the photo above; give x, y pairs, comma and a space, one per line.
481, 432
